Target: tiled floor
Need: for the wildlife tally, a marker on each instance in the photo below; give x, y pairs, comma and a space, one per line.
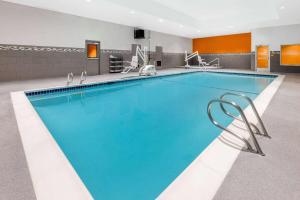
276, 176
15, 182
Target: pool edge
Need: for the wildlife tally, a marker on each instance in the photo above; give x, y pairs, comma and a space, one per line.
42, 180
203, 177
52, 174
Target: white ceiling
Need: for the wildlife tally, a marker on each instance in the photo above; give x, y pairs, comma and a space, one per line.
189, 18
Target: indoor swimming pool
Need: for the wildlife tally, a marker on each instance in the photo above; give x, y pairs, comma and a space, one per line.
130, 139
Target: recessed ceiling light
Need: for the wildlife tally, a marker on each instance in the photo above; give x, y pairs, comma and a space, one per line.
160, 20
181, 26
230, 26
198, 31
88, 1
282, 7
132, 12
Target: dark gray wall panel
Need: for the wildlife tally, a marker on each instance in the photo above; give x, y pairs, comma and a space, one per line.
242, 61
253, 61
276, 67
158, 56
92, 67
104, 63
32, 62
233, 61
172, 60
275, 64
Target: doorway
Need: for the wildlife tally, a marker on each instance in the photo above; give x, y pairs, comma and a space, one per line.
262, 58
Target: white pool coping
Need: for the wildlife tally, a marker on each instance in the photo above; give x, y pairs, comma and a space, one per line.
54, 177
203, 177
52, 174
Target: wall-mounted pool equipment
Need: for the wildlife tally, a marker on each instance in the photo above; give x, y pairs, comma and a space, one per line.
145, 70
215, 63
190, 57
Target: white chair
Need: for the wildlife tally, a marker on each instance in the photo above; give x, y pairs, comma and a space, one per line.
202, 63
134, 64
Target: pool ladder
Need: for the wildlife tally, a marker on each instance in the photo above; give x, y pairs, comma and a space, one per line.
70, 78
250, 127
83, 77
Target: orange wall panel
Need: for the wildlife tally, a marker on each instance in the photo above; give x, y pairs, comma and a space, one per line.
290, 55
236, 43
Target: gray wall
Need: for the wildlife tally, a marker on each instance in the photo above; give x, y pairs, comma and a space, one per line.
232, 61
276, 67
26, 62
275, 37
24, 25
19, 62
169, 43
272, 36
253, 61
37, 43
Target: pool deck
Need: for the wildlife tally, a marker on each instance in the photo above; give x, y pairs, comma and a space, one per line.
276, 176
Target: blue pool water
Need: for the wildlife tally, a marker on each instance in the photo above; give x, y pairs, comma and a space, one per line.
130, 140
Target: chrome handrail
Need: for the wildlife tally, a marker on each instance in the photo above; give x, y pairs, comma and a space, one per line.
83, 77
244, 119
70, 78
265, 133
